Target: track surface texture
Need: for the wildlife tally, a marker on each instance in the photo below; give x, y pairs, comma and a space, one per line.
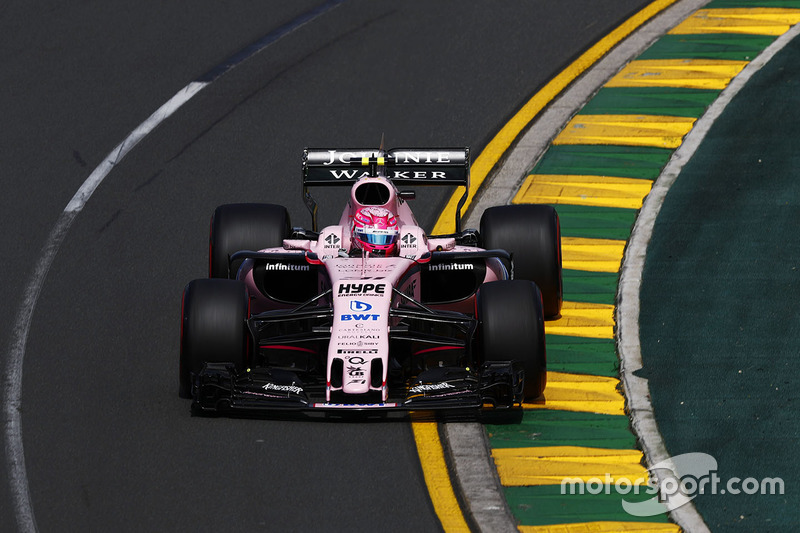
720, 295
108, 445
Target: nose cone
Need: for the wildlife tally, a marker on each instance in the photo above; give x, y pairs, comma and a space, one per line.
356, 378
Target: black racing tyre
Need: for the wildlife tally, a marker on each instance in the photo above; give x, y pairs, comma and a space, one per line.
511, 327
532, 235
213, 327
236, 227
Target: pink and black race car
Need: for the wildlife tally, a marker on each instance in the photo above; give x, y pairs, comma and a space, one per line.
371, 313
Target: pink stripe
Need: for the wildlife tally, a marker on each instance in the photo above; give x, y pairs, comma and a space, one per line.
282, 347
439, 348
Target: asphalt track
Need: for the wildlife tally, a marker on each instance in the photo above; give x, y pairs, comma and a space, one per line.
107, 443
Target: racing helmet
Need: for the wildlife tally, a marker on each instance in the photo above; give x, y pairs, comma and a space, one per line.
375, 230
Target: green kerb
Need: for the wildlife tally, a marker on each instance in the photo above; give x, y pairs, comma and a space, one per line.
545, 505
542, 427
617, 161
662, 101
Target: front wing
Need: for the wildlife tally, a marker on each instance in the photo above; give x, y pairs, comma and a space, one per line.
220, 388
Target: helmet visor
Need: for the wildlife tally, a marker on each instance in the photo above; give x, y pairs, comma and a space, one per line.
376, 237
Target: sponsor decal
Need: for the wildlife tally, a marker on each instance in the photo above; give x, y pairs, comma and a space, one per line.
335, 156
431, 387
358, 267
409, 239
422, 156
345, 337
332, 241
352, 405
353, 329
362, 289
354, 360
452, 266
358, 343
282, 266
404, 157
282, 388
355, 371
418, 175
345, 318
349, 174
356, 305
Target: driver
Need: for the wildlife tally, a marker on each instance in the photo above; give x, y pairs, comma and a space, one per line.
375, 231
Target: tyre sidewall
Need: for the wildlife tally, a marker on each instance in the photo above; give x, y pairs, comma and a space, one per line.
213, 327
511, 327
236, 227
532, 235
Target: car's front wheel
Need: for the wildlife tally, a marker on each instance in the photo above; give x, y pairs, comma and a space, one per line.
511, 328
213, 327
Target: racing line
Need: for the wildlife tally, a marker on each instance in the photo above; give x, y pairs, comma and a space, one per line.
12, 390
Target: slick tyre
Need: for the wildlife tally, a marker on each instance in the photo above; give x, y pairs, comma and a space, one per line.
532, 235
213, 328
511, 327
236, 227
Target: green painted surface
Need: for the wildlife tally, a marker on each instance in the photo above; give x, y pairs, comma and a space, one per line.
708, 46
543, 427
595, 222
544, 505
616, 161
582, 355
650, 101
592, 287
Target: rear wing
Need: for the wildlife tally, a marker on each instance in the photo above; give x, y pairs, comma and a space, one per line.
403, 166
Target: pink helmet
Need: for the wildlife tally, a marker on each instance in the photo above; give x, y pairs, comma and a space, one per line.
375, 230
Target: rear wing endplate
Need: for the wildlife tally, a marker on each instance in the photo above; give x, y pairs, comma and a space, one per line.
403, 166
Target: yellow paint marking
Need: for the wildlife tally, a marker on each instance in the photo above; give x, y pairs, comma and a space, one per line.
595, 255
685, 73
755, 21
603, 527
580, 393
598, 191
626, 130
582, 319
498, 146
549, 465
437, 477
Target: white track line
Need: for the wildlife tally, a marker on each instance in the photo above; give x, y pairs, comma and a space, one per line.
637, 390
12, 381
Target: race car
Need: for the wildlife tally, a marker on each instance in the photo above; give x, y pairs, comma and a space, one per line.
371, 313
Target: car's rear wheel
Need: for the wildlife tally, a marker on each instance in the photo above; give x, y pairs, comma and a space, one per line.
213, 328
511, 327
236, 227
532, 235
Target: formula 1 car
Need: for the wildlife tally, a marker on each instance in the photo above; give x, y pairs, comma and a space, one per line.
371, 313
